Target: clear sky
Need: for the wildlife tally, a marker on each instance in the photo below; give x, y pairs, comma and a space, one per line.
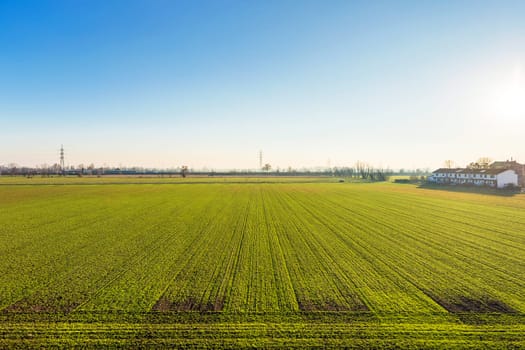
210, 83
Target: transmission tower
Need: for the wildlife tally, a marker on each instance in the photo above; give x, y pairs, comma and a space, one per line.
62, 166
260, 160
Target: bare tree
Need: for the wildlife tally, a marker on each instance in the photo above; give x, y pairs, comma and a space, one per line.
267, 167
91, 168
380, 174
449, 164
13, 168
365, 171
484, 162
360, 168
184, 170
56, 169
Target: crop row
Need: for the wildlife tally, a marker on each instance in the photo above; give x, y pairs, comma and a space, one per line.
278, 335
259, 248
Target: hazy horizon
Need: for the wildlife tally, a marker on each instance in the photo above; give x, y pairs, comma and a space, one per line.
310, 83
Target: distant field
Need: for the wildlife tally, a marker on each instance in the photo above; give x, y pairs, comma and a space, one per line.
266, 262
155, 179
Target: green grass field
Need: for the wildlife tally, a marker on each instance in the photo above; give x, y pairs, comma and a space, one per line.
258, 263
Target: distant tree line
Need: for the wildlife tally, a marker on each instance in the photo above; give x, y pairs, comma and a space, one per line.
360, 170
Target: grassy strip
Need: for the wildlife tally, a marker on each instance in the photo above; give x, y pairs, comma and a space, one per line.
296, 335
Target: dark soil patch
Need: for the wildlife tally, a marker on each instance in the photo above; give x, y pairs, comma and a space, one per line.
24, 306
467, 304
163, 305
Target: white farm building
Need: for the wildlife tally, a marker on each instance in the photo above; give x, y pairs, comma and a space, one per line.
498, 178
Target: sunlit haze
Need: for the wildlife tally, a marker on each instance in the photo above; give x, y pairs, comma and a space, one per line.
209, 84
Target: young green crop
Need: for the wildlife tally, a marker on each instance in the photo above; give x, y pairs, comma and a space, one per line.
261, 264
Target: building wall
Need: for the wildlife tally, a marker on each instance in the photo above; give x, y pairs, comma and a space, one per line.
499, 180
507, 177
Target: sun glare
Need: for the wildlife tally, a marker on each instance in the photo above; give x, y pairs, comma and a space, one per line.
509, 98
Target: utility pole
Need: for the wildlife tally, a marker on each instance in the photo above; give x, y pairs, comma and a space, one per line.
260, 160
62, 166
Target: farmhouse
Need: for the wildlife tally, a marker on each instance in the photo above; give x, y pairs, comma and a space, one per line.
512, 164
498, 178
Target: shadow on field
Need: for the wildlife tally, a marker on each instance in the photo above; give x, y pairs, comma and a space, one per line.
470, 189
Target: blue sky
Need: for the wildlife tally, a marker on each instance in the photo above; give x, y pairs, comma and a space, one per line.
311, 83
